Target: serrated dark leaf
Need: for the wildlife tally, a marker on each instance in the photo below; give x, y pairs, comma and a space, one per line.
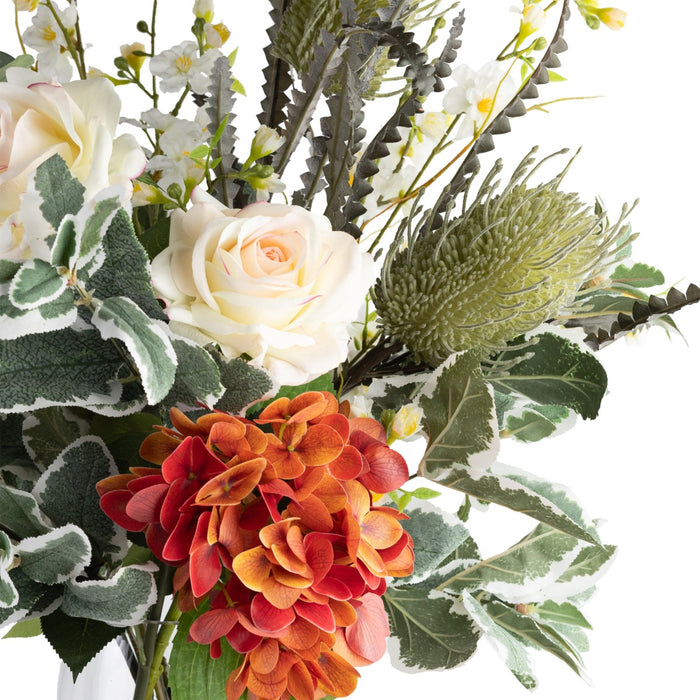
642, 313
300, 111
277, 74
76, 640
220, 101
515, 108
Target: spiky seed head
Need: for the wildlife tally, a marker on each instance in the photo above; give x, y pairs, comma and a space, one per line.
504, 266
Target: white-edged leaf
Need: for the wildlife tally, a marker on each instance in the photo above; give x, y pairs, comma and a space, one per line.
35, 284
512, 651
583, 572
437, 534
20, 513
552, 504
197, 378
524, 572
459, 417
48, 431
122, 600
55, 557
429, 631
53, 316
146, 339
66, 493
66, 367
9, 596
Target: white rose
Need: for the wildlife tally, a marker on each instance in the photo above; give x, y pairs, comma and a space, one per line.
78, 121
270, 281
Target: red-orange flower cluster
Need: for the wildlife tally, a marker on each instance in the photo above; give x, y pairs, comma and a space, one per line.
277, 528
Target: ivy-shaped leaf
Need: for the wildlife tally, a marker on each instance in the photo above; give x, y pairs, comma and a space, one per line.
48, 431
76, 640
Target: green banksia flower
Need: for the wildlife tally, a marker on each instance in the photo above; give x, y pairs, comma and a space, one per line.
505, 265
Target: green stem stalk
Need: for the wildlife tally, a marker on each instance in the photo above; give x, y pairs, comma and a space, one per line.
164, 636
143, 676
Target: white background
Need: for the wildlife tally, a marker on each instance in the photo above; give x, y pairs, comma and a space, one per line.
636, 467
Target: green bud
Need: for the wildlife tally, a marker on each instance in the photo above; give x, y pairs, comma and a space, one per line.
540, 44
142, 26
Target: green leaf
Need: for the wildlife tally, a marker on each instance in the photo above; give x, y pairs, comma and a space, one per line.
639, 275
8, 269
65, 244
122, 600
459, 418
66, 493
588, 566
524, 493
65, 367
124, 434
61, 193
34, 598
156, 238
20, 514
557, 373
76, 640
55, 557
433, 632
9, 596
24, 629
535, 422
437, 534
527, 629
194, 675
125, 271
523, 571
35, 284
48, 431
22, 61
197, 379
244, 384
511, 649
564, 613
146, 339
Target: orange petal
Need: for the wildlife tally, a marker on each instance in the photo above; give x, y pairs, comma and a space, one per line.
157, 447
358, 498
264, 658
279, 595
300, 683
226, 437
252, 567
320, 445
369, 426
380, 530
277, 411
307, 406
342, 675
371, 559
313, 514
233, 485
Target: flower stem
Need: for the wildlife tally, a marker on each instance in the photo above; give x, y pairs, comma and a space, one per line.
164, 583
164, 635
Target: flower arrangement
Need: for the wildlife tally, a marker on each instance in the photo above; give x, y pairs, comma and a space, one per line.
203, 391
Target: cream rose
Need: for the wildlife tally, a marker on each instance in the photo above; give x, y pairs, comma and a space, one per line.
270, 281
78, 121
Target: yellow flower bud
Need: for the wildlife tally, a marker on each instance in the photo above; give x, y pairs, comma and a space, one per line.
612, 17
127, 51
26, 5
407, 422
533, 19
217, 34
204, 9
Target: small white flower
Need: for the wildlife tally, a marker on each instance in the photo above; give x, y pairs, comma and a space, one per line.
479, 95
182, 64
47, 38
265, 141
360, 405
179, 137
